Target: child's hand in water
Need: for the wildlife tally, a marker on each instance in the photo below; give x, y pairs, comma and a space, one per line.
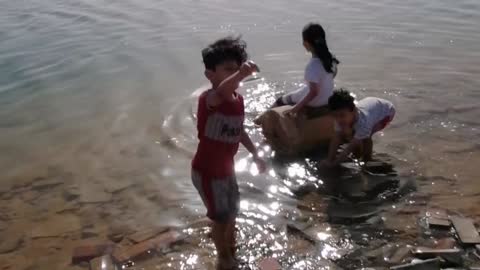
248, 68
261, 165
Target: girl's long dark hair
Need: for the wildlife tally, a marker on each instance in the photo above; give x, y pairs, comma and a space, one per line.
314, 34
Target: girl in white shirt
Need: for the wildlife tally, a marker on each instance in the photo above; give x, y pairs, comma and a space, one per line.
319, 73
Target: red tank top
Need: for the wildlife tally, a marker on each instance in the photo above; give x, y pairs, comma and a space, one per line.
219, 132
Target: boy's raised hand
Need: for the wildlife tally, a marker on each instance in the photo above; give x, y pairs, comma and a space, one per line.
248, 68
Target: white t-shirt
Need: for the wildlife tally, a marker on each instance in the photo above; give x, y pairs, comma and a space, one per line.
371, 111
316, 73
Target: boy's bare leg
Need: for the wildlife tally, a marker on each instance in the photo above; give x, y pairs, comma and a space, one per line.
367, 149
230, 235
219, 233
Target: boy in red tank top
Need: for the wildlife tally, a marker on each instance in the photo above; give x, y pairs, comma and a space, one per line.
220, 128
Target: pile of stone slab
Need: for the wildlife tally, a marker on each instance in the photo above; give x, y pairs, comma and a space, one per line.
140, 245
449, 253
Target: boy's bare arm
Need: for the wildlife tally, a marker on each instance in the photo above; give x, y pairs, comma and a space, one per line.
247, 142
228, 86
349, 149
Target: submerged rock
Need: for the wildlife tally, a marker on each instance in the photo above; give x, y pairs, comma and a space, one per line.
10, 242
56, 226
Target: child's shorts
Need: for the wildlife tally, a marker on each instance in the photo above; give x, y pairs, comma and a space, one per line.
219, 195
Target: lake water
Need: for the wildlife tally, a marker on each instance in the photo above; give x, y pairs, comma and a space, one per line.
97, 124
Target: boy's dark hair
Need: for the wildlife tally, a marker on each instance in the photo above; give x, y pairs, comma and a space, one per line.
225, 49
341, 99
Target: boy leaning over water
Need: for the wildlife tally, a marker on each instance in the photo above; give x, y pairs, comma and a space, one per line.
220, 130
356, 123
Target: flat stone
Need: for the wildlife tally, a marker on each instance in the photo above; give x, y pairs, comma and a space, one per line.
437, 214
445, 243
56, 226
450, 255
16, 262
102, 263
88, 252
399, 255
89, 233
298, 225
380, 252
352, 211
3, 225
466, 231
432, 264
125, 254
94, 195
200, 223
71, 193
113, 186
65, 207
438, 222
10, 242
146, 234
116, 238
269, 264
42, 184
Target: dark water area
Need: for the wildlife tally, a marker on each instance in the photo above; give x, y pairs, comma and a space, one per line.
97, 128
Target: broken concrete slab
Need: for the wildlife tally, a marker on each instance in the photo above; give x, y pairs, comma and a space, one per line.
88, 252
146, 234
269, 264
126, 254
431, 264
466, 230
102, 263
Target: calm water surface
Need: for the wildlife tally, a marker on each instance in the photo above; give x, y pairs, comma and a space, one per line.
97, 102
